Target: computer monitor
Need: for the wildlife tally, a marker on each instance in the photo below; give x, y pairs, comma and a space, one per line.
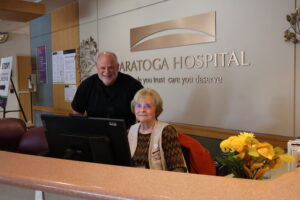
97, 140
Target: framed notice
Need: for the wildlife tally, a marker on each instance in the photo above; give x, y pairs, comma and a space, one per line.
41, 64
5, 73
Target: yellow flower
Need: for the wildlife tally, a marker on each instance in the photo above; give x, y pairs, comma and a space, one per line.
278, 151
287, 158
256, 157
253, 152
282, 158
247, 135
239, 144
266, 150
278, 163
226, 144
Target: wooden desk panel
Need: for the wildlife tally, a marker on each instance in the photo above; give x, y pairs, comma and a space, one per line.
98, 181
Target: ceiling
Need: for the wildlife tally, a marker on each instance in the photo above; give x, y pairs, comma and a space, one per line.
23, 27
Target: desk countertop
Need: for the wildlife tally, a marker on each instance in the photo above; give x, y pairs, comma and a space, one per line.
98, 181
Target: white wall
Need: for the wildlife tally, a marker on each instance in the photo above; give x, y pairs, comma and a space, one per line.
297, 86
260, 97
16, 45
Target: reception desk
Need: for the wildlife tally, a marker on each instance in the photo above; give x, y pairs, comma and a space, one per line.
80, 180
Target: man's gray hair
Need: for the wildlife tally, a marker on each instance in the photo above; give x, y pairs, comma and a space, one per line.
109, 53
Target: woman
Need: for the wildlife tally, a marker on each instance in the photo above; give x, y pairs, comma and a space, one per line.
153, 144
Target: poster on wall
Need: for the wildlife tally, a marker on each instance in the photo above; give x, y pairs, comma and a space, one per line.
57, 67
64, 66
69, 66
41, 64
5, 73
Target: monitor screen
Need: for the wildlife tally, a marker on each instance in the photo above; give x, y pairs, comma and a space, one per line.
97, 140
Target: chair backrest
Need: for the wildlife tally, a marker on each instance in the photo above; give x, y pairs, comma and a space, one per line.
197, 157
34, 141
11, 132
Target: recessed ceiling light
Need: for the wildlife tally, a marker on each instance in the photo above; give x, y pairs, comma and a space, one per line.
3, 37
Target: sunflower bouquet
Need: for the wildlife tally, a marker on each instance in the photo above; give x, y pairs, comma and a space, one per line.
246, 157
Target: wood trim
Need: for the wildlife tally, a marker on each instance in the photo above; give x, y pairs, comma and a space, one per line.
23, 6
51, 110
22, 11
222, 134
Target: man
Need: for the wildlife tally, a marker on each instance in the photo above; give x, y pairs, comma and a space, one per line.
107, 93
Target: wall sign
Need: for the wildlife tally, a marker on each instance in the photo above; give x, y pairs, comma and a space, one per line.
5, 73
41, 64
195, 29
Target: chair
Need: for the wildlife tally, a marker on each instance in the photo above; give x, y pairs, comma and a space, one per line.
197, 157
34, 142
15, 137
11, 132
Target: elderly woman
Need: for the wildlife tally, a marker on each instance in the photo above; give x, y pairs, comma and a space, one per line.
153, 144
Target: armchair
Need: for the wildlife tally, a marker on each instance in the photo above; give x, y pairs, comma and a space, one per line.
15, 137
11, 132
33, 141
